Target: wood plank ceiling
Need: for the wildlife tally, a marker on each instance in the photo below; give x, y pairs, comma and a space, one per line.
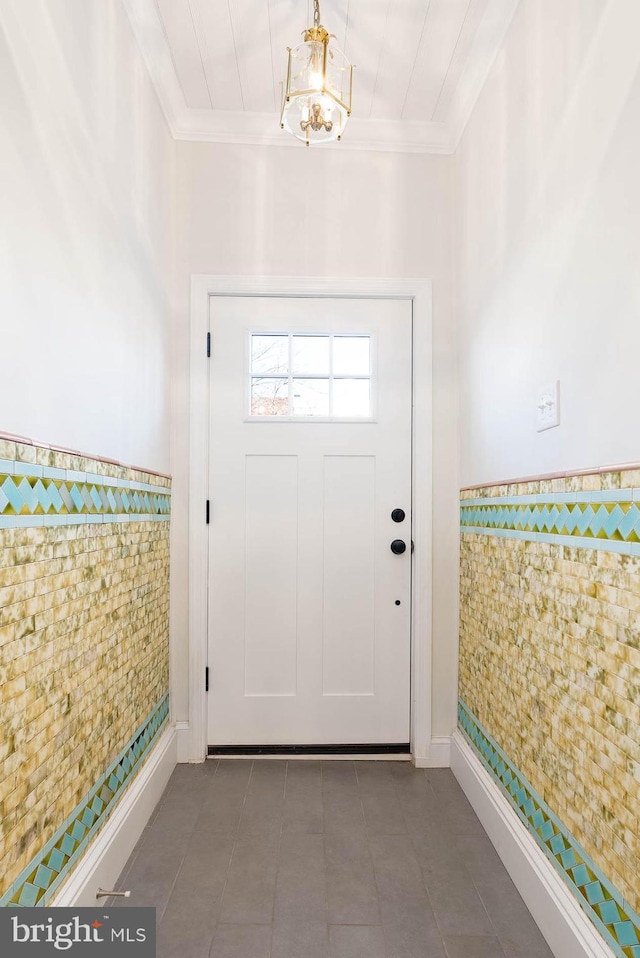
412, 57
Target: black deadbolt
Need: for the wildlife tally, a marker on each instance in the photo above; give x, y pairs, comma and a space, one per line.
398, 547
398, 515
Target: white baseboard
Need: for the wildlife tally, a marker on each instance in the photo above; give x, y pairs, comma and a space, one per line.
439, 755
563, 923
106, 856
183, 734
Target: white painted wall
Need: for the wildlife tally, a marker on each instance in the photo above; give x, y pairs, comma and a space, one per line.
270, 211
85, 242
548, 243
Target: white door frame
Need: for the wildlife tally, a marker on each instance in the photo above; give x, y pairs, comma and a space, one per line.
203, 287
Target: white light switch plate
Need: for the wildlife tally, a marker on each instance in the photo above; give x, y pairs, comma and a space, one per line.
548, 406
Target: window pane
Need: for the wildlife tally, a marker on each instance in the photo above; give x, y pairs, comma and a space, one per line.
351, 398
269, 354
311, 354
311, 397
351, 356
269, 397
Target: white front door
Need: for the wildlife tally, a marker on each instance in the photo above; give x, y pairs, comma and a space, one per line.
309, 607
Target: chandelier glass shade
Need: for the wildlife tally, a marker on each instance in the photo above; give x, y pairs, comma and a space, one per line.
317, 96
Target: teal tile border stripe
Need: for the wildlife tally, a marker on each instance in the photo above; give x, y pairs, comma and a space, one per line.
38, 882
32, 495
616, 921
608, 520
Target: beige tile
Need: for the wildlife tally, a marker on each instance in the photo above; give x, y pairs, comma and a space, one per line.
550, 664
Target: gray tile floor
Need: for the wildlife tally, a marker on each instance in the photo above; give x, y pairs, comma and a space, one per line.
277, 859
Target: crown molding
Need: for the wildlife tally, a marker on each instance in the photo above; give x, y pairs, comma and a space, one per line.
395, 136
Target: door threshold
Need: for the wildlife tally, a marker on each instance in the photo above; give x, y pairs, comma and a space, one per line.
383, 750
317, 757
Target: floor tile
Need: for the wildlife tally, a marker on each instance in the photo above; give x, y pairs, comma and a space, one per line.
459, 813
356, 941
186, 793
437, 850
241, 941
458, 908
512, 920
341, 801
481, 859
191, 915
302, 812
419, 803
343, 815
264, 798
159, 805
301, 888
406, 771
260, 818
373, 773
352, 896
409, 923
380, 799
339, 781
300, 939
401, 890
175, 822
201, 881
187, 774
225, 796
467, 946
250, 891
411, 940
233, 773
185, 936
534, 947
267, 781
120, 885
152, 875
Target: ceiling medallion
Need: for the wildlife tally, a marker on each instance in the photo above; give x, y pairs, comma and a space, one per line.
317, 95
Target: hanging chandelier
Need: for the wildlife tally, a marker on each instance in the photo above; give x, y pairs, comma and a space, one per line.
317, 95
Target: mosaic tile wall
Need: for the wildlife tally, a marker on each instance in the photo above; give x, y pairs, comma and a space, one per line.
550, 675
84, 626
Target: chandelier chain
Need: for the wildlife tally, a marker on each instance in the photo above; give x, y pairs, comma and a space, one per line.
316, 13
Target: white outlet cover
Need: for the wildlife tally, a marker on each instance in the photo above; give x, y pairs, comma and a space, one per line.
548, 406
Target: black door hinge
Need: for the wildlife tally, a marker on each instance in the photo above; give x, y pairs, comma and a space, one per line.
206, 678
208, 345
207, 512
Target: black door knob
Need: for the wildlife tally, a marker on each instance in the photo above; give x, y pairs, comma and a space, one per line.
398, 547
398, 515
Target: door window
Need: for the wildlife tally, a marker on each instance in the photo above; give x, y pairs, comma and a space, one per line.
312, 377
